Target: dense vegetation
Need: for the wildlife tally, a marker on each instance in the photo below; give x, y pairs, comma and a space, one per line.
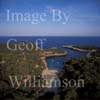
83, 68
23, 63
96, 53
18, 63
87, 69
87, 47
94, 50
55, 50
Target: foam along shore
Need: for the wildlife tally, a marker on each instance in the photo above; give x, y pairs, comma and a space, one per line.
76, 48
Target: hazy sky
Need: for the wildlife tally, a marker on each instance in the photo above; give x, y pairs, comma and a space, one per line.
83, 17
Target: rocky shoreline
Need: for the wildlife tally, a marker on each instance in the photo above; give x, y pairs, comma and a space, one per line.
47, 72
75, 48
87, 49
